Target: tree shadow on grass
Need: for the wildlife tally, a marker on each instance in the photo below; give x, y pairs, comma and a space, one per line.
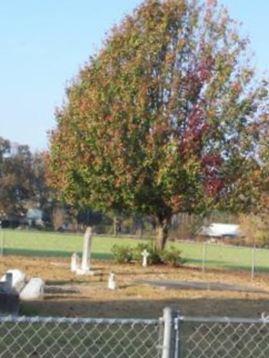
151, 308
211, 265
53, 253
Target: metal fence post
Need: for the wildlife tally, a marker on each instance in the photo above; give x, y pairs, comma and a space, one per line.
2, 244
253, 262
170, 346
177, 349
204, 257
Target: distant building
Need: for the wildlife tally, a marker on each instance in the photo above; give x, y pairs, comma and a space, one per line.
217, 230
35, 217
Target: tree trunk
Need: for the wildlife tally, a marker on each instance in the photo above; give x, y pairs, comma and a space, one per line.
161, 234
115, 226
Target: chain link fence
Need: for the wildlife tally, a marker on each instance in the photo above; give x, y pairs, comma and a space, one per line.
171, 336
23, 337
223, 337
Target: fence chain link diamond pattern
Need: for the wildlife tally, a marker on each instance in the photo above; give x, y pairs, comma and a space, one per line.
190, 337
70, 338
224, 339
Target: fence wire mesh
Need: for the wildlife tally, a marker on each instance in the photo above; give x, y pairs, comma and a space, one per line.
22, 337
62, 337
219, 337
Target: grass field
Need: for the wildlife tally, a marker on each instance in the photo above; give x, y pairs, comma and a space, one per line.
34, 243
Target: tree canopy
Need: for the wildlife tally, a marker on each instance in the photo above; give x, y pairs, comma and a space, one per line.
22, 180
164, 118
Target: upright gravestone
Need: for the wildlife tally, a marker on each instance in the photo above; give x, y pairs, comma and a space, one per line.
74, 262
112, 285
7, 284
86, 254
9, 297
18, 279
145, 254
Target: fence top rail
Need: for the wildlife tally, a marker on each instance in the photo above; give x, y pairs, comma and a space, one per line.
131, 321
78, 320
229, 320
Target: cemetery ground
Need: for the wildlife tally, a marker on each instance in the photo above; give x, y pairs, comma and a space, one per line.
88, 296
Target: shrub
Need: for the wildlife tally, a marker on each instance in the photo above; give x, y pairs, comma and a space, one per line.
122, 254
172, 257
137, 251
125, 254
154, 257
262, 239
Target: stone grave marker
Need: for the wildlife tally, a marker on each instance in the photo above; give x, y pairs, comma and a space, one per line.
9, 298
112, 284
18, 279
85, 268
74, 262
34, 290
145, 254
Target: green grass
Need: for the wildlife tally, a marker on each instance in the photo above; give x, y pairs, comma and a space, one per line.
63, 245
56, 244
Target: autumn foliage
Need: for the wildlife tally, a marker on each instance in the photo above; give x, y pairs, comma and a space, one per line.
164, 118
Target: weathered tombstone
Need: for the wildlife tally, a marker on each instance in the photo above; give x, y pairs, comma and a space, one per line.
7, 284
18, 279
86, 254
74, 262
112, 285
9, 303
145, 254
9, 298
34, 290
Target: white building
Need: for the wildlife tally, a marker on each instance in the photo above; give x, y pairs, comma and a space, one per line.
218, 230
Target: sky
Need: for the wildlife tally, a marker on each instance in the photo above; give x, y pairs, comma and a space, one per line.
43, 43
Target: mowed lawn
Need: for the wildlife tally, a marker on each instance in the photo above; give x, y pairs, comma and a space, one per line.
37, 243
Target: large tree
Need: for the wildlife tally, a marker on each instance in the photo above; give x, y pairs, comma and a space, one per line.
164, 118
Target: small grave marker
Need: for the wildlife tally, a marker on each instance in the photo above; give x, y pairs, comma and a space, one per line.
74, 262
112, 285
145, 254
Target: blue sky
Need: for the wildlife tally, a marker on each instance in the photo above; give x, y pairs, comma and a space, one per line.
44, 42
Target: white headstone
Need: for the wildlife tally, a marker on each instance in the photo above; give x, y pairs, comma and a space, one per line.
18, 279
112, 285
74, 262
34, 290
145, 254
86, 254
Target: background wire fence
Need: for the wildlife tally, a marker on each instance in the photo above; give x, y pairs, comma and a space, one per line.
62, 337
220, 337
206, 255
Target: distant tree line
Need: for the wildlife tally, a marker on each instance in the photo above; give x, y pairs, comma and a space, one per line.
22, 181
23, 187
